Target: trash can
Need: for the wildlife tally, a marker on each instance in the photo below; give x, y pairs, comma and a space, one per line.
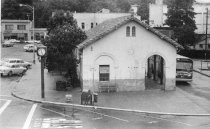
60, 86
95, 96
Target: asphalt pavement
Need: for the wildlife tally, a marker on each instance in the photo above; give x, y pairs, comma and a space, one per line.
15, 112
177, 102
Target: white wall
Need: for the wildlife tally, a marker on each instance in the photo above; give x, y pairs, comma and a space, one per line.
157, 15
200, 17
94, 18
127, 55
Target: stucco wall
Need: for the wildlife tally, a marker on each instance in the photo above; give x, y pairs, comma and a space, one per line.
127, 57
157, 15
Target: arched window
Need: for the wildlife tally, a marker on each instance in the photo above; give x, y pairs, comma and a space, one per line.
91, 25
83, 25
133, 31
127, 31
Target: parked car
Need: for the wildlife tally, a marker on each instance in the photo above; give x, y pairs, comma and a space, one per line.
1, 63
9, 70
30, 47
16, 61
33, 41
7, 44
14, 40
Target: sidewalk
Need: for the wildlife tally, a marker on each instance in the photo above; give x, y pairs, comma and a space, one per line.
204, 71
177, 101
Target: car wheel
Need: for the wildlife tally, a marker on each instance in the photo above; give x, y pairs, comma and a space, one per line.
21, 74
27, 67
10, 73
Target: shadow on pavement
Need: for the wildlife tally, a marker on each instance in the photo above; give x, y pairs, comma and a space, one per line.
182, 84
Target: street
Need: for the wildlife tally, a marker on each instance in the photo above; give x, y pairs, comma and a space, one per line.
20, 114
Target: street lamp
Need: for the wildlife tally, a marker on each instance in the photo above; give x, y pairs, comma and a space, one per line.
41, 52
31, 7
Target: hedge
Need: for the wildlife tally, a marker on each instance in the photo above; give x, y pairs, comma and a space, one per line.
195, 54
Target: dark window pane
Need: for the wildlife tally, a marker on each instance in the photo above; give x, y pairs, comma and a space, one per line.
104, 73
127, 31
133, 31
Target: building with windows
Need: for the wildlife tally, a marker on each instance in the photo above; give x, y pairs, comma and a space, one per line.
158, 11
202, 44
87, 21
125, 54
16, 29
20, 30
157, 14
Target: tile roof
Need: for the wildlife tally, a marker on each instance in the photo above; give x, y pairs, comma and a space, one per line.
111, 25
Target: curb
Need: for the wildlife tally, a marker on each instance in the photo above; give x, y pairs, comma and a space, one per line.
107, 108
201, 73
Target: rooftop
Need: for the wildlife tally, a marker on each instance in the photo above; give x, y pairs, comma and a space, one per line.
14, 21
111, 25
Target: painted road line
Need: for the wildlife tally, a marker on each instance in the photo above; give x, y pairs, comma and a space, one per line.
5, 106
55, 112
5, 96
30, 115
117, 118
167, 120
4, 99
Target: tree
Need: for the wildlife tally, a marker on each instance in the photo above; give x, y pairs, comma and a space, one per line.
143, 10
12, 10
180, 18
124, 5
64, 35
43, 12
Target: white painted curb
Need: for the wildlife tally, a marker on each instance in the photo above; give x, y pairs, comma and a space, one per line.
109, 108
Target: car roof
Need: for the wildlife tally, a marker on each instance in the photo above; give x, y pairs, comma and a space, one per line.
29, 44
12, 59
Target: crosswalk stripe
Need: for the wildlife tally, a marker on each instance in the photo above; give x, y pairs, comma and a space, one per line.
29, 118
5, 106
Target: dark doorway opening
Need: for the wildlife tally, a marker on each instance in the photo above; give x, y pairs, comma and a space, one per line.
154, 76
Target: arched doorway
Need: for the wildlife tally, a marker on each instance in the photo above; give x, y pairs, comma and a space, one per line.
154, 75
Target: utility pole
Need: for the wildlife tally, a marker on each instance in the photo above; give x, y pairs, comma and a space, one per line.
206, 41
42, 76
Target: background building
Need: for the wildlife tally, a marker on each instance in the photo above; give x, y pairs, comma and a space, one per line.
20, 30
158, 11
202, 44
87, 21
157, 14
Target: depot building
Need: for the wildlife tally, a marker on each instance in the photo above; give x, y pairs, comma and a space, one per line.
125, 54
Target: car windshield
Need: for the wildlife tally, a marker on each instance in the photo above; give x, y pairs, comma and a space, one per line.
12, 61
184, 66
7, 65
